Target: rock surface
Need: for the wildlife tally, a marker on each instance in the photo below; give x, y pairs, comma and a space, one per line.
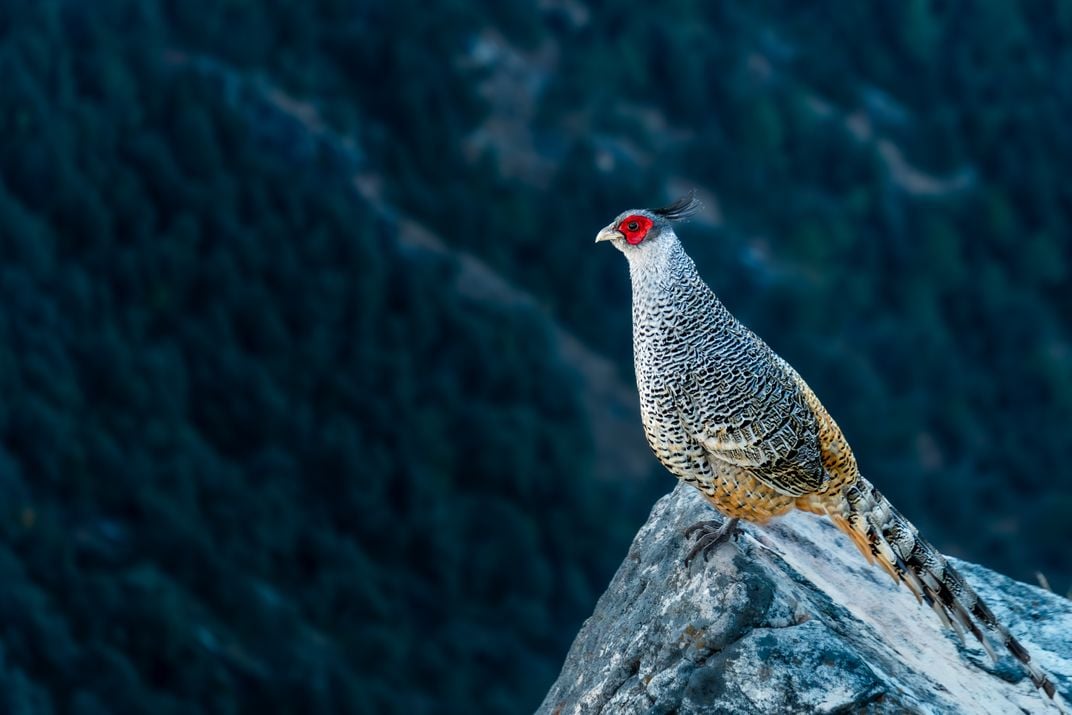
791, 618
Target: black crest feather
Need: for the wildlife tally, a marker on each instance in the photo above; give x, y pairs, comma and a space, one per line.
684, 207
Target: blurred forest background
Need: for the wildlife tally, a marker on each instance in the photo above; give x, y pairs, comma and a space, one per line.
317, 397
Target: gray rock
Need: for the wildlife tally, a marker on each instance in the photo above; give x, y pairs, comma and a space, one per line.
791, 618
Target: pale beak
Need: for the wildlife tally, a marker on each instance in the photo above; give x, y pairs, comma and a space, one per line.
609, 234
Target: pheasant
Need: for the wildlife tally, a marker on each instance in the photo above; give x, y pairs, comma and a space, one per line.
726, 414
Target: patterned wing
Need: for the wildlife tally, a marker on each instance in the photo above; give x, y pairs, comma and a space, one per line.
749, 412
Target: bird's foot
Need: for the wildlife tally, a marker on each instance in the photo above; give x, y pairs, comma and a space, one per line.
711, 534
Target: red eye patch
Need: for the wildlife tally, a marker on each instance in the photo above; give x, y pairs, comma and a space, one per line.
635, 228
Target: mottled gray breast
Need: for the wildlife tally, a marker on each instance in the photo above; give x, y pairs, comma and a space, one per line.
705, 380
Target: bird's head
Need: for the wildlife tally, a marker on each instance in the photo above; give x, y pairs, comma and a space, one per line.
640, 232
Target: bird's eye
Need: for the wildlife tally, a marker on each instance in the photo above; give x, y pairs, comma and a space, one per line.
635, 228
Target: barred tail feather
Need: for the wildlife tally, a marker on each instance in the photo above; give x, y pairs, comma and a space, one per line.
886, 537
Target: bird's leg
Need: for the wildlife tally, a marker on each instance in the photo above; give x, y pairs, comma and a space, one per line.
712, 533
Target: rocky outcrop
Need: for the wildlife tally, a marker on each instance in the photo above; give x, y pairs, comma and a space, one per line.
791, 618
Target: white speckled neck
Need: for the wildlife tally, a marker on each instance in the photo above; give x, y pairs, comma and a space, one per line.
657, 269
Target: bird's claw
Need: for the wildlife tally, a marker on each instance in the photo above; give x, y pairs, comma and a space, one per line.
711, 534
